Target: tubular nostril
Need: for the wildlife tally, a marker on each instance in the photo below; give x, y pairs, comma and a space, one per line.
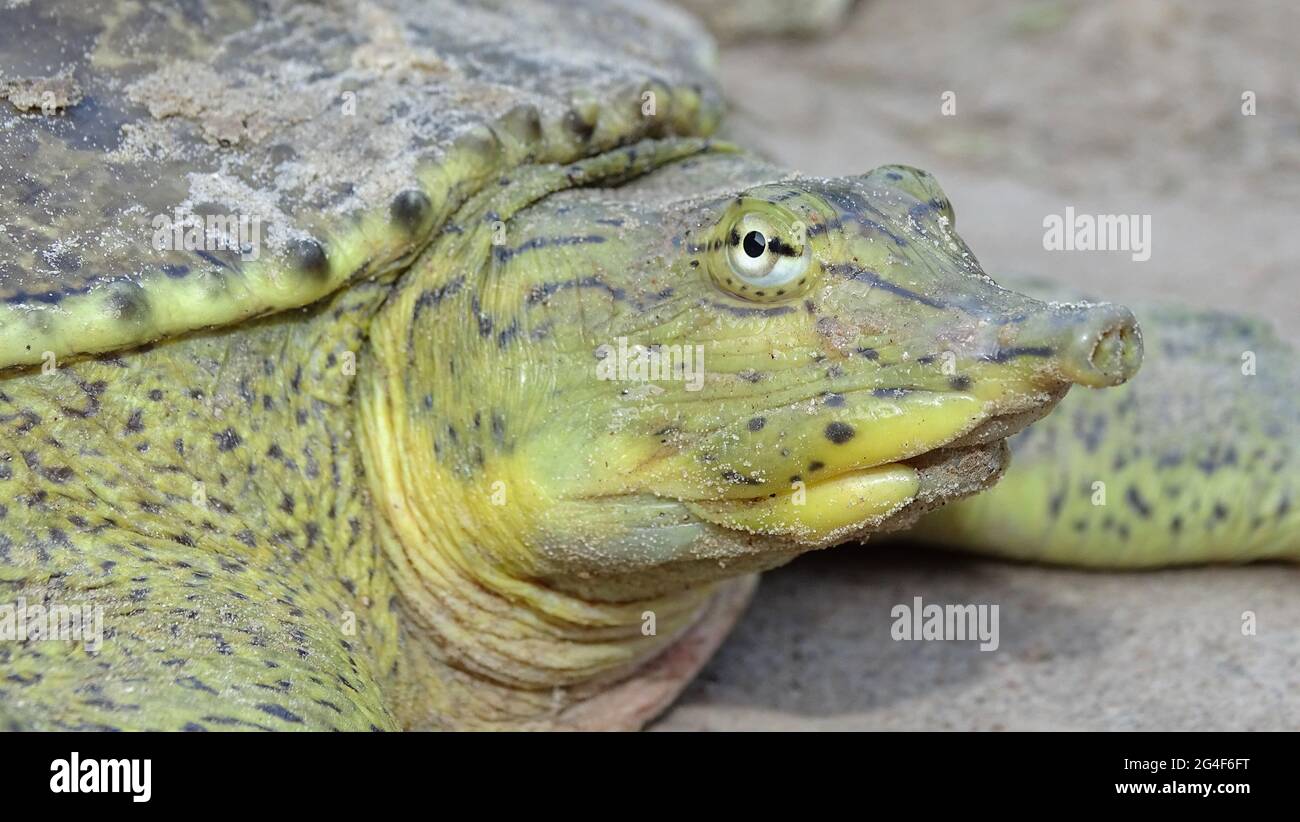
1109, 355
1106, 348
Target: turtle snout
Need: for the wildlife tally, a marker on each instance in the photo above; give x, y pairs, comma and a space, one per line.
1094, 345
1111, 352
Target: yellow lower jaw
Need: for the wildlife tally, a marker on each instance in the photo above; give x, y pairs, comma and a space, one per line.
814, 513
792, 444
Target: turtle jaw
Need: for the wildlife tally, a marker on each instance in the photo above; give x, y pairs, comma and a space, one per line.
856, 502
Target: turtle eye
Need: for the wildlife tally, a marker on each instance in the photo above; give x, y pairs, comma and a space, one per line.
763, 261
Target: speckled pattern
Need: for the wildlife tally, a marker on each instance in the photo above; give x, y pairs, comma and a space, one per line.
294, 522
343, 565
207, 495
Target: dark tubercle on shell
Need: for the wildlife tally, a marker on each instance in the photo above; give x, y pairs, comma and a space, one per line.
308, 256
579, 126
410, 208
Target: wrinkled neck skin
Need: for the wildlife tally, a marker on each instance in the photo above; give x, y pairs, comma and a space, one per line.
507, 626
558, 508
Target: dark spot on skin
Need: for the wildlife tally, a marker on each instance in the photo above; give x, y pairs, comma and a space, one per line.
280, 712
833, 400
959, 383
57, 474
740, 479
498, 429
920, 211
757, 423
1054, 504
1220, 512
839, 432
431, 298
507, 335
816, 465
484, 321
308, 256
1089, 430
1135, 501
854, 272
1007, 354
869, 353
410, 208
134, 423
778, 246
227, 440
155, 395
29, 421
543, 292
503, 254
128, 306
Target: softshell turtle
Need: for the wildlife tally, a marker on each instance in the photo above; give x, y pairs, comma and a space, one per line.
490, 416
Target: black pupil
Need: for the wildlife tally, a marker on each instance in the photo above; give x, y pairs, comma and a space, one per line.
755, 244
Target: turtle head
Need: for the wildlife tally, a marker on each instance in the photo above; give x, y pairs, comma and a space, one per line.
684, 377
725, 381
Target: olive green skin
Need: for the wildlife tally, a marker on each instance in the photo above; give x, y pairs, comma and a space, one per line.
227, 497
236, 502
